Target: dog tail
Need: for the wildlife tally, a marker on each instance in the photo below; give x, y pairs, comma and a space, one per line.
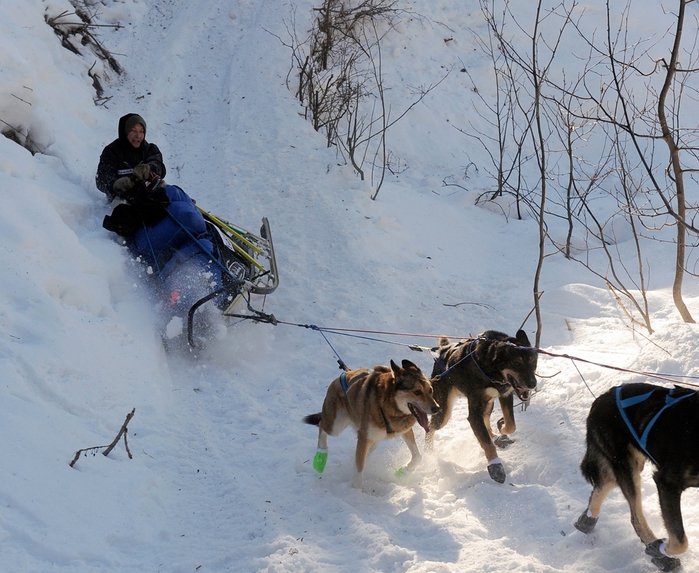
312, 419
590, 467
443, 341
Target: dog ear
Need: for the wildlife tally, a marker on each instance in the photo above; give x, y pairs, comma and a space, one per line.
395, 368
407, 365
522, 339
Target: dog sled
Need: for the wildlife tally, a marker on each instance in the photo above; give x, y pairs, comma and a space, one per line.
202, 266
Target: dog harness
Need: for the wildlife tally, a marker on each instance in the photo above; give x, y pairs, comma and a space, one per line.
438, 358
343, 380
499, 386
345, 387
671, 398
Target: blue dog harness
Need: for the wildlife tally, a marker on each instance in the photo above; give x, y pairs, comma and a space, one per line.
343, 379
671, 399
441, 363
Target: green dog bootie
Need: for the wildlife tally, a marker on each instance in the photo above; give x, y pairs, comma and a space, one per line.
403, 472
320, 460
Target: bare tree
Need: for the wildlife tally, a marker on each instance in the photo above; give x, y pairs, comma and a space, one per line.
341, 83
597, 133
532, 108
623, 109
670, 137
506, 145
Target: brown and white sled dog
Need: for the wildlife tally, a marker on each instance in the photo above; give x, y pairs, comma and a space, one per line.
492, 365
626, 426
380, 403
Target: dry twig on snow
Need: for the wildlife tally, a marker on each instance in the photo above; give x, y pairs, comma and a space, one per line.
122, 432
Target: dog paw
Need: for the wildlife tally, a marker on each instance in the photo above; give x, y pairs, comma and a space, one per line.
585, 523
497, 472
503, 441
658, 557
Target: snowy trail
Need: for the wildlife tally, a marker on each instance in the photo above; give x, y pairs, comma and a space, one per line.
242, 470
216, 418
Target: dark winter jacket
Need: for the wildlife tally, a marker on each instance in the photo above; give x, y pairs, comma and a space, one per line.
120, 157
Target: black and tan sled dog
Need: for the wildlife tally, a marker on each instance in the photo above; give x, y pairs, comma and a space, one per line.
380, 403
628, 425
492, 365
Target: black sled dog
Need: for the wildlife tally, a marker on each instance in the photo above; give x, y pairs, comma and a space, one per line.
626, 426
380, 403
493, 365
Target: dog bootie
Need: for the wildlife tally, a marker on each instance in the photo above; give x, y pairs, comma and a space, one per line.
585, 523
496, 471
320, 460
664, 562
402, 472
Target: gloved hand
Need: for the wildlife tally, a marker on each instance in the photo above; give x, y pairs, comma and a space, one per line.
123, 185
142, 171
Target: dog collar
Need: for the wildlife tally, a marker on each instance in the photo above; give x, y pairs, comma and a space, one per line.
472, 354
389, 428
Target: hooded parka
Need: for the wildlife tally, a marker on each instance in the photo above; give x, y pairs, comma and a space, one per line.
120, 157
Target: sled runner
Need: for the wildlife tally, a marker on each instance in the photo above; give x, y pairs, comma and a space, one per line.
196, 256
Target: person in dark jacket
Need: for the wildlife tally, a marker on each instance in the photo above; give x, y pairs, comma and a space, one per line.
129, 154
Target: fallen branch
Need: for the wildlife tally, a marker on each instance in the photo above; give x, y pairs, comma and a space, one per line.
471, 303
122, 432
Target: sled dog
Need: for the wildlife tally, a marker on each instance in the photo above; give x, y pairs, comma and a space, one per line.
626, 426
380, 403
492, 365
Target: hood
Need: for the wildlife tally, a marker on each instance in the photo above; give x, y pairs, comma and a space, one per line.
126, 122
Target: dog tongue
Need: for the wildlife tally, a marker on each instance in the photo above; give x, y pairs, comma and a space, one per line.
420, 416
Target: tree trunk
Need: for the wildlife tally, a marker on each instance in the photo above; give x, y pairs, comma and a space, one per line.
676, 170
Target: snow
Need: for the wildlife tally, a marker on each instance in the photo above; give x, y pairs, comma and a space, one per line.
221, 476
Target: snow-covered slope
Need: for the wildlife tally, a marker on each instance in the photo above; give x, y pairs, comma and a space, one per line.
221, 478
